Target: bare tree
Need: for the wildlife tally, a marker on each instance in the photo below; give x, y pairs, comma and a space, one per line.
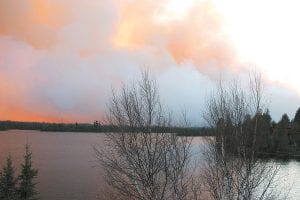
234, 168
138, 163
184, 119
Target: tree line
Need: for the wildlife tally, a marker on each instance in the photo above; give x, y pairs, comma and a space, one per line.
98, 127
281, 139
286, 135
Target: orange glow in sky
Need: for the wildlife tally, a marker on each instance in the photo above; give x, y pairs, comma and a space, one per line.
58, 57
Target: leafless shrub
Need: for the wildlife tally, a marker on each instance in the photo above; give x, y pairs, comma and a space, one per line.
234, 168
138, 163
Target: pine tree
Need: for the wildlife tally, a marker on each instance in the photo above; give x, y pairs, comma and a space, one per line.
8, 190
297, 117
264, 142
27, 190
296, 124
282, 133
296, 128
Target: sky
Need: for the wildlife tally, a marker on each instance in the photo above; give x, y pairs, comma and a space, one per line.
59, 59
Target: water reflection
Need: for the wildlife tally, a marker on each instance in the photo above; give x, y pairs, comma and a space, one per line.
289, 178
67, 167
65, 162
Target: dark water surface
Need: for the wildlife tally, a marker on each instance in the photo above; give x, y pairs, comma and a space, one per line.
66, 162
67, 167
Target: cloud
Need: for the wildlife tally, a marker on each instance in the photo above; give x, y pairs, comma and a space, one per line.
34, 22
197, 36
60, 58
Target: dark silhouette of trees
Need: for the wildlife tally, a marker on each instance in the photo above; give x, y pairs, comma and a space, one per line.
27, 190
281, 135
297, 117
8, 182
264, 142
21, 187
233, 165
296, 130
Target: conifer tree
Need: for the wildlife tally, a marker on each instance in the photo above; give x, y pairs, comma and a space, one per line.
27, 190
296, 128
296, 123
297, 117
8, 190
282, 137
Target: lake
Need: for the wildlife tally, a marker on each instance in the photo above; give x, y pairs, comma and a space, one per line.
67, 166
66, 163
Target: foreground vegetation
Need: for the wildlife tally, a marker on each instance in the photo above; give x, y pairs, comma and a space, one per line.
140, 163
21, 187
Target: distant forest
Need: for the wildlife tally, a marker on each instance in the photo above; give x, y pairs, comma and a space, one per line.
280, 138
97, 127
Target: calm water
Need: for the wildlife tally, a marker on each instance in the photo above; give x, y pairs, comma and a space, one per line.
66, 163
67, 167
